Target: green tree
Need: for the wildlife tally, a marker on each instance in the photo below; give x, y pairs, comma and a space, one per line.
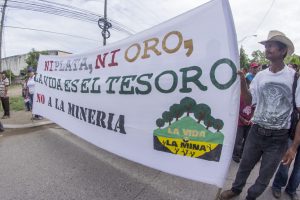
218, 124
259, 57
294, 59
177, 110
160, 123
33, 57
201, 111
188, 104
167, 117
244, 59
209, 121
10, 75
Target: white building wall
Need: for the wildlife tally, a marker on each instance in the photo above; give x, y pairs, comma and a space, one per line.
17, 63
14, 63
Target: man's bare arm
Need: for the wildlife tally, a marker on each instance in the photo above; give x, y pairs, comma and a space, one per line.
246, 95
292, 150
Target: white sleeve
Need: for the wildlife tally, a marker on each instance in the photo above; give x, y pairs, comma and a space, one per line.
253, 90
6, 82
297, 94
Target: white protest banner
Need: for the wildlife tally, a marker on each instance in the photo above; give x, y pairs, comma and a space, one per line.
167, 98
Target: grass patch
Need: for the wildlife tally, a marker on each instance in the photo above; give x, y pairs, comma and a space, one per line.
16, 103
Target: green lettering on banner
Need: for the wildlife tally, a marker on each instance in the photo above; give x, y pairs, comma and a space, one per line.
213, 71
94, 90
174, 85
194, 79
111, 79
126, 84
145, 83
67, 88
84, 88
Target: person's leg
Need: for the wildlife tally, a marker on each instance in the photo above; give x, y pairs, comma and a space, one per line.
251, 155
36, 117
273, 150
6, 106
245, 134
295, 176
31, 103
237, 151
2, 103
281, 177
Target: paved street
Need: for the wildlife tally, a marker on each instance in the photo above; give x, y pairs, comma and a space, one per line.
50, 163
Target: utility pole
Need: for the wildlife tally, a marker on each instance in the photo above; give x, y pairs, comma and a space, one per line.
105, 19
104, 25
1, 31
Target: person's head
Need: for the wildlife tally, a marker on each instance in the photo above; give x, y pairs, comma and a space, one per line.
3, 74
30, 71
277, 46
254, 68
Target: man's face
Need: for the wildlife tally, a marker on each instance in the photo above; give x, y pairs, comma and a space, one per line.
273, 52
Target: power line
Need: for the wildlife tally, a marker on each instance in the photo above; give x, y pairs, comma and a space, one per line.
46, 31
264, 17
66, 11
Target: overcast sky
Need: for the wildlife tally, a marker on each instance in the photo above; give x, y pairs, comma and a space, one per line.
255, 17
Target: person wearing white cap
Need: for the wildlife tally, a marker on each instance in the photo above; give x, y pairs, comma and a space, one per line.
271, 91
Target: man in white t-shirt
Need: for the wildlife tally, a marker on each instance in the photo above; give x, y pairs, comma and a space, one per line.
271, 91
4, 83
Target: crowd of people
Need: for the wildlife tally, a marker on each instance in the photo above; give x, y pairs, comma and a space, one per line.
264, 122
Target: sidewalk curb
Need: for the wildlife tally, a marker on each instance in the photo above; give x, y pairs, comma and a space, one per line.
15, 126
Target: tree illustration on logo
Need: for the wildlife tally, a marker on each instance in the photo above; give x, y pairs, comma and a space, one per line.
194, 134
188, 104
160, 122
177, 110
201, 111
209, 121
167, 117
218, 124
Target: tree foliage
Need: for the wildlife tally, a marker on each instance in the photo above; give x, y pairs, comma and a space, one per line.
244, 59
33, 58
259, 57
188, 104
202, 112
167, 117
177, 110
209, 121
218, 124
160, 122
294, 59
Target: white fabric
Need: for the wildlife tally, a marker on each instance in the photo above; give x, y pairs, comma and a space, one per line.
31, 85
272, 94
118, 103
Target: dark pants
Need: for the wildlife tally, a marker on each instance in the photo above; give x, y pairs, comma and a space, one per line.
267, 145
5, 105
241, 135
281, 177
